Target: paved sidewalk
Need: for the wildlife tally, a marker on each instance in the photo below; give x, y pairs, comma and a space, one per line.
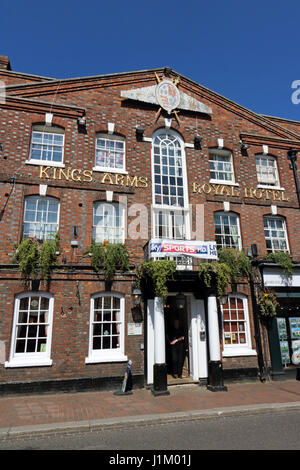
59, 412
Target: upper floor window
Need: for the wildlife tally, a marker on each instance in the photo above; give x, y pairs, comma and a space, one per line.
221, 166
47, 145
108, 222
32, 327
267, 173
169, 169
170, 224
40, 219
106, 328
236, 327
275, 234
110, 153
227, 230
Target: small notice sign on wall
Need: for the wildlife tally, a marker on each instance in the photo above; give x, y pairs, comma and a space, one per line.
135, 329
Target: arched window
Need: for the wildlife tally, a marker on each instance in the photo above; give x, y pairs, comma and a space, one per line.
47, 145
169, 169
227, 230
109, 153
108, 222
267, 172
275, 234
170, 199
236, 327
32, 329
40, 218
107, 328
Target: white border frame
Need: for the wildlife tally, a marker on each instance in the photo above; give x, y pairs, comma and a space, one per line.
270, 216
122, 209
41, 197
33, 161
232, 350
222, 152
164, 207
30, 359
266, 185
107, 355
121, 171
238, 216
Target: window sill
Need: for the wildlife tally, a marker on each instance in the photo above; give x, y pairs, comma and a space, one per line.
119, 171
44, 163
227, 183
276, 188
28, 363
99, 359
239, 352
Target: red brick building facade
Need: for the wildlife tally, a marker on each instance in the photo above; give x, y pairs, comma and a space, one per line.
131, 157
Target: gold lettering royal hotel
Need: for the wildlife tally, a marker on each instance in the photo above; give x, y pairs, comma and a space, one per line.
129, 201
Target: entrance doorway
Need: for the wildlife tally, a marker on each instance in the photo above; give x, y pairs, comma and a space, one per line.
171, 313
193, 322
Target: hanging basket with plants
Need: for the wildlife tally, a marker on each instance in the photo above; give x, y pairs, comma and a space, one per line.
159, 272
109, 258
284, 260
36, 258
236, 260
267, 304
215, 274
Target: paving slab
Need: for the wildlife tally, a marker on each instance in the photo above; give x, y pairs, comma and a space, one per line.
86, 411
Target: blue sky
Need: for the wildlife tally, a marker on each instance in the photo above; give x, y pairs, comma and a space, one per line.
246, 51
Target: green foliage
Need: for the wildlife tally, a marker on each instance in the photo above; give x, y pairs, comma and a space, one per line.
36, 258
218, 274
160, 272
283, 259
267, 304
109, 258
237, 261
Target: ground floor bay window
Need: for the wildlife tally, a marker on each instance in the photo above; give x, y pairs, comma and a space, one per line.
106, 336
32, 328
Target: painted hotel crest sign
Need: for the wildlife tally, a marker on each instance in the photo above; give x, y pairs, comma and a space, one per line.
167, 94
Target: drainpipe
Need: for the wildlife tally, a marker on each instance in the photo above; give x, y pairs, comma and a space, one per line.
257, 336
292, 156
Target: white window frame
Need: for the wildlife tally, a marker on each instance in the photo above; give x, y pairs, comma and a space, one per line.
110, 138
107, 355
121, 208
30, 359
46, 130
229, 214
222, 153
269, 217
230, 350
266, 184
37, 198
165, 207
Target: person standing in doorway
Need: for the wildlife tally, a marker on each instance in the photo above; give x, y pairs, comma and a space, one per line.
176, 340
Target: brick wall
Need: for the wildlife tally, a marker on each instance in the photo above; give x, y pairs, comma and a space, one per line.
101, 99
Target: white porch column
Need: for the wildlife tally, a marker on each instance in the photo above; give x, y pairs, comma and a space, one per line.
213, 329
160, 385
159, 332
215, 374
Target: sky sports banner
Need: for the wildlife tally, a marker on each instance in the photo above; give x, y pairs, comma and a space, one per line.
161, 248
